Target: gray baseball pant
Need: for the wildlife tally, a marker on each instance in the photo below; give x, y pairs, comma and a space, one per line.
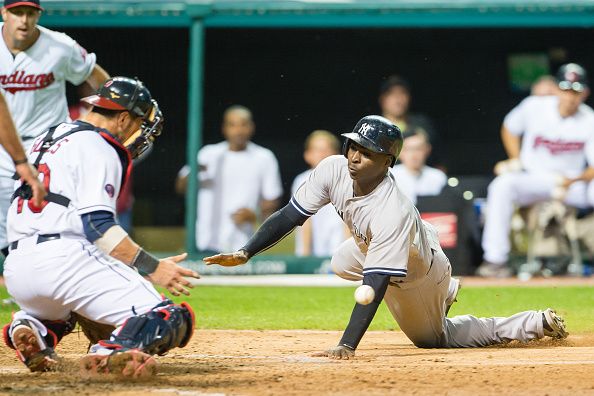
419, 307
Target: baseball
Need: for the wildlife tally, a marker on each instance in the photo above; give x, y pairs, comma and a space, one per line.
364, 294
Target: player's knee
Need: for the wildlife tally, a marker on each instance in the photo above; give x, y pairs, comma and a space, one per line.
502, 185
164, 327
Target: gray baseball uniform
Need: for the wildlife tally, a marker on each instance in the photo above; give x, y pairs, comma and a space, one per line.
390, 238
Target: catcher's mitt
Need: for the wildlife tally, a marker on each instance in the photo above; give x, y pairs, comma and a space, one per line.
93, 331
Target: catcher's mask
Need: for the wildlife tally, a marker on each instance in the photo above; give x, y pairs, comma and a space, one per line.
127, 94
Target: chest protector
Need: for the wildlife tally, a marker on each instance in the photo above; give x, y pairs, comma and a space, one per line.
25, 192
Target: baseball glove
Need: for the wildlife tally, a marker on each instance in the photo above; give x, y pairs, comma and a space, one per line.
94, 331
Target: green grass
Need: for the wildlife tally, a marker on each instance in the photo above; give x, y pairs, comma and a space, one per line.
329, 308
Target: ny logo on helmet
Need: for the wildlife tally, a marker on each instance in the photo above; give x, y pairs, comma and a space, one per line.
364, 128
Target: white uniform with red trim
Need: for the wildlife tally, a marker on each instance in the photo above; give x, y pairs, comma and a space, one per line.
49, 279
552, 147
34, 85
390, 238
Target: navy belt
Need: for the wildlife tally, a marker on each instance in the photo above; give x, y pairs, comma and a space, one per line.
40, 239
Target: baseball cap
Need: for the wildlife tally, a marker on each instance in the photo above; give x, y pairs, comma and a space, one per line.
394, 81
572, 76
17, 3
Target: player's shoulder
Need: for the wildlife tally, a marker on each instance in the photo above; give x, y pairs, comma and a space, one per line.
335, 161
261, 151
55, 38
537, 102
398, 169
90, 143
587, 112
434, 172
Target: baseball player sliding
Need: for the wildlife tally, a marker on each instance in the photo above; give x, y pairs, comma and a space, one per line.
35, 64
550, 143
392, 250
68, 255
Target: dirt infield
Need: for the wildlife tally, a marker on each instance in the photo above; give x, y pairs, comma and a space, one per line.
278, 362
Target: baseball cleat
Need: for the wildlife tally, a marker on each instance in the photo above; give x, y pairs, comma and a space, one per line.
553, 324
131, 363
31, 349
493, 270
453, 290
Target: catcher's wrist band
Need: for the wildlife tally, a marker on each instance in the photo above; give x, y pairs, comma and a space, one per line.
112, 238
20, 161
145, 262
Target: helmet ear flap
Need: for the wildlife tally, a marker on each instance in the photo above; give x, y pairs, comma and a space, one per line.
345, 147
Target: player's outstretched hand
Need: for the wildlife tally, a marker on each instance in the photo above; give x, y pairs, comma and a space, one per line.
29, 174
339, 352
171, 276
228, 259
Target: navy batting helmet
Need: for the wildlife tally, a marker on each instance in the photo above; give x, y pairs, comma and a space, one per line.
377, 134
572, 76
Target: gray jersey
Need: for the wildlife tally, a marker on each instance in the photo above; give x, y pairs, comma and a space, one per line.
385, 224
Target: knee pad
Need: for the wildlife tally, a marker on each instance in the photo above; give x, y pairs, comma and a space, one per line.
164, 327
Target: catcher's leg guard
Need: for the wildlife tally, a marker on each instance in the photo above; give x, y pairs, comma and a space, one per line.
163, 328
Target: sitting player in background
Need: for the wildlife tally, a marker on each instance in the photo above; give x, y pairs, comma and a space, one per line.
413, 176
392, 250
69, 256
550, 144
322, 234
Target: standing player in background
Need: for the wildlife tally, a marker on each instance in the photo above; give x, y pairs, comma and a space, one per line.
413, 176
35, 64
392, 250
237, 180
550, 144
69, 255
320, 235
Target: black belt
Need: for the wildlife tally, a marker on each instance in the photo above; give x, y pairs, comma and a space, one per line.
40, 239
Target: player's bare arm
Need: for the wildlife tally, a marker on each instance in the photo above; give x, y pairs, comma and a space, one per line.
10, 141
98, 77
512, 144
586, 176
268, 207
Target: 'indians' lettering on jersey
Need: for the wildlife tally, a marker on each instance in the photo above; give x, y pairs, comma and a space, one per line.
557, 146
21, 81
552, 143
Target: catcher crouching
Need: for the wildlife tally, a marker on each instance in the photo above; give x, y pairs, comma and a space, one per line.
70, 260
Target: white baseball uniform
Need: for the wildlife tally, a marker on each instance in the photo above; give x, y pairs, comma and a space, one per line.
231, 180
552, 146
429, 181
390, 238
327, 229
67, 273
34, 85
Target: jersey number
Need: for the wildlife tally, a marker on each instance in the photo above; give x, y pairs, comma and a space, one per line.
45, 171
